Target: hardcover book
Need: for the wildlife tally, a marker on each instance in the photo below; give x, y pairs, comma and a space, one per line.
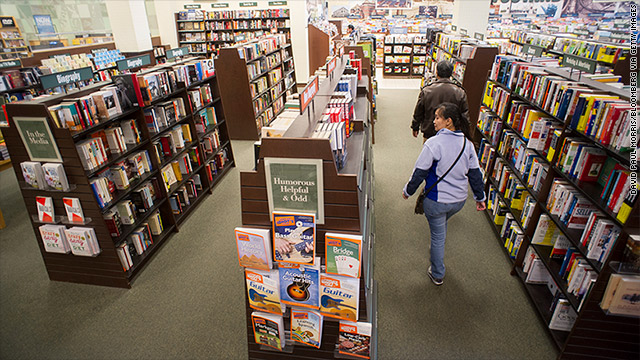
33, 174
268, 329
306, 327
53, 238
73, 209
339, 296
294, 237
299, 284
254, 248
355, 339
263, 291
343, 254
45, 209
563, 316
83, 241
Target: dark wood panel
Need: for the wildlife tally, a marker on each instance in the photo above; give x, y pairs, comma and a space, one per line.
89, 279
115, 273
594, 350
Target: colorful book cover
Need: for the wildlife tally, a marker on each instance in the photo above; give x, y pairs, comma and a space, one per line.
294, 237
263, 291
53, 238
343, 254
306, 327
254, 248
74, 210
268, 329
339, 296
45, 209
33, 174
625, 298
55, 176
355, 339
83, 241
299, 285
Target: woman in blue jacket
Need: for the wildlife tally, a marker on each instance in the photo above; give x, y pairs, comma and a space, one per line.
447, 197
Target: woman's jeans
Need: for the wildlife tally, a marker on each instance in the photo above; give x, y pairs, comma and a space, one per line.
437, 214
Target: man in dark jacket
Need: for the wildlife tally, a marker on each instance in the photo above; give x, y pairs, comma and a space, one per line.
432, 95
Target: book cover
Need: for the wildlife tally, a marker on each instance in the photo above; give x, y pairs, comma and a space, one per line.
53, 238
45, 209
299, 285
73, 209
294, 237
343, 254
355, 339
306, 327
33, 174
339, 296
254, 248
263, 291
83, 241
268, 329
563, 316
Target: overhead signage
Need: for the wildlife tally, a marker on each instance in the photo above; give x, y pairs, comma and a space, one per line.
277, 3
575, 15
331, 65
7, 21
454, 28
66, 77
308, 94
192, 6
134, 62
422, 16
478, 36
532, 50
248, 4
37, 138
398, 30
44, 25
220, 5
579, 63
173, 53
445, 16
463, 31
10, 63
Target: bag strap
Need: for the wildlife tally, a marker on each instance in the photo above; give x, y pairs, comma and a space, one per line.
464, 145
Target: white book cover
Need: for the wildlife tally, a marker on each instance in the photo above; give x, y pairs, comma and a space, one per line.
45, 209
268, 329
54, 239
625, 297
263, 291
563, 316
73, 209
339, 296
79, 241
123, 254
254, 248
538, 273
33, 174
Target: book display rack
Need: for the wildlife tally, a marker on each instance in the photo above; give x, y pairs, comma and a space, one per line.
348, 209
14, 45
555, 168
405, 55
205, 32
255, 80
138, 196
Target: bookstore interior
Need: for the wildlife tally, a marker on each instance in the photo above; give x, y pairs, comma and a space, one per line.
119, 126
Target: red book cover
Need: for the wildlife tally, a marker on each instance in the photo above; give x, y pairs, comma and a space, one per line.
617, 190
592, 167
615, 118
166, 146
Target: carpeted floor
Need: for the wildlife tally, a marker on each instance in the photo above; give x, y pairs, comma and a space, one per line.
186, 304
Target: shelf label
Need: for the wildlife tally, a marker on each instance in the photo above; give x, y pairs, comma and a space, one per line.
400, 16
66, 77
354, 16
463, 31
532, 50
596, 15
619, 36
454, 28
173, 53
249, 4
583, 32
308, 94
220, 5
422, 16
518, 15
445, 16
37, 138
579, 63
331, 65
621, 25
192, 6
478, 36
241, 37
7, 21
377, 17
10, 63
553, 29
134, 62
575, 15
277, 3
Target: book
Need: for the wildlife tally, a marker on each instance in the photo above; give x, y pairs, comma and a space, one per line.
299, 284
263, 291
339, 296
74, 210
268, 329
46, 212
563, 316
33, 174
53, 238
355, 339
306, 327
343, 254
83, 241
294, 234
254, 248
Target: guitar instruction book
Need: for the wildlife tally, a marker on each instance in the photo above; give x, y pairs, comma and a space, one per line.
306, 327
344, 254
299, 231
74, 210
263, 291
355, 339
268, 329
54, 239
339, 296
254, 248
45, 209
55, 176
299, 284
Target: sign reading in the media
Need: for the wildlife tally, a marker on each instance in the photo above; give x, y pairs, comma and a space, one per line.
331, 65
192, 6
463, 31
173, 53
445, 16
37, 138
277, 3
308, 93
66, 77
478, 36
220, 5
248, 4
134, 62
579, 63
454, 28
7, 21
10, 63
532, 50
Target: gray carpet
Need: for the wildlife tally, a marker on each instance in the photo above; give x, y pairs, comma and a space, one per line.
188, 301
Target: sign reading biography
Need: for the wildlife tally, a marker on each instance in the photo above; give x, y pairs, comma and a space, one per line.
134, 62
66, 77
182, 51
37, 139
308, 93
295, 185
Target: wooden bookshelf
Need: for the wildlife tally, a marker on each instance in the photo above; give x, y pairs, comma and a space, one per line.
595, 335
414, 67
235, 86
349, 209
106, 269
14, 44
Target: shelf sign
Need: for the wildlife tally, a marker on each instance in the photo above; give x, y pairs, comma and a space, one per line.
66, 77
220, 5
7, 21
575, 15
37, 138
400, 16
621, 25
241, 37
583, 32
579, 63
463, 31
619, 36
192, 6
478, 36
445, 16
134, 62
354, 16
44, 24
295, 185
377, 17
454, 28
518, 15
173, 53
422, 16
532, 50
553, 29
277, 3
248, 4
308, 94
10, 63
596, 15
331, 65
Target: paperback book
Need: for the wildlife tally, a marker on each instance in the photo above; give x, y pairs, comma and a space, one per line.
294, 237
299, 284
355, 339
55, 176
339, 296
83, 241
53, 238
46, 212
263, 291
33, 174
343, 254
254, 248
73, 209
306, 327
268, 329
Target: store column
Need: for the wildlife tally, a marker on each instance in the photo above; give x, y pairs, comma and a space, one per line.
129, 25
472, 15
299, 15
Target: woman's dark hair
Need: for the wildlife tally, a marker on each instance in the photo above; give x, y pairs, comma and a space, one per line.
450, 110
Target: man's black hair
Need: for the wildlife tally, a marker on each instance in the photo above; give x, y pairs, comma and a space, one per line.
351, 27
444, 69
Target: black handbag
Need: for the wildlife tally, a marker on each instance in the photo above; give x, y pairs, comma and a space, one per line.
419, 209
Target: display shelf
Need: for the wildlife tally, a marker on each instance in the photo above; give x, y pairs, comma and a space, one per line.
210, 129
221, 174
179, 152
140, 261
102, 124
19, 89
186, 210
115, 158
24, 186
496, 231
119, 195
554, 267
165, 129
126, 230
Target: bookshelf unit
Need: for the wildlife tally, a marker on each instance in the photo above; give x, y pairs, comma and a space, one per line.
14, 45
106, 269
404, 56
594, 335
238, 74
349, 209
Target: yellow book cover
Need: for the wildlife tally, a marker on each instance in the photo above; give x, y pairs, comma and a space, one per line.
586, 114
176, 170
186, 133
263, 290
532, 116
